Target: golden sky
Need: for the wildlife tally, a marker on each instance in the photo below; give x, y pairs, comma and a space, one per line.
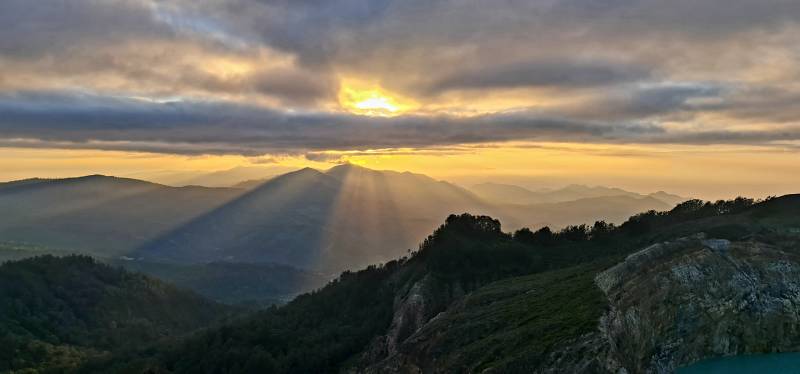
695, 97
686, 170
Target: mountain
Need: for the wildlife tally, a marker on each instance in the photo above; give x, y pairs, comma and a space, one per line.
350, 216
668, 198
660, 291
511, 194
335, 220
612, 209
56, 312
102, 215
250, 184
343, 218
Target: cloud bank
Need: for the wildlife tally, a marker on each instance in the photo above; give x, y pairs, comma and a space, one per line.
262, 76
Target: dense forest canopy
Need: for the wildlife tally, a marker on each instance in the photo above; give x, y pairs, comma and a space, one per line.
57, 311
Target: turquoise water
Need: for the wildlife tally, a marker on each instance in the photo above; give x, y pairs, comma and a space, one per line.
778, 363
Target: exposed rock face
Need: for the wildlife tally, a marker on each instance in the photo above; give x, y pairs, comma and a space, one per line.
678, 302
415, 307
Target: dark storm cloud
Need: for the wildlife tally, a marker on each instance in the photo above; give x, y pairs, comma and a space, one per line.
203, 127
563, 74
83, 121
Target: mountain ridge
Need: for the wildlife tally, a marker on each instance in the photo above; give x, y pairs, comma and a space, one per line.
477, 299
327, 220
510, 193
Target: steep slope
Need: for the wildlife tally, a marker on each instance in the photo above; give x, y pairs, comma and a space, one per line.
280, 221
102, 215
322, 331
347, 217
57, 312
476, 299
679, 302
668, 305
379, 209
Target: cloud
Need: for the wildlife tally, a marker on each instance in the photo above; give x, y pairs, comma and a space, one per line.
212, 127
563, 74
670, 100
258, 76
138, 47
85, 121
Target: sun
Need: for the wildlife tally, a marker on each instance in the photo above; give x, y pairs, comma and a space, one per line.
376, 102
371, 100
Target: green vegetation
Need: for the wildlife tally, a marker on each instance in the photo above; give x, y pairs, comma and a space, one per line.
511, 325
56, 312
502, 302
12, 251
252, 285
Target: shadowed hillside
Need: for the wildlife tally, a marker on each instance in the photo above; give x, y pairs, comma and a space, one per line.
97, 214
473, 299
346, 217
351, 216
56, 312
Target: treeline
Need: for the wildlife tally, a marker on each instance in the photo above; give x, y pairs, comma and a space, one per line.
56, 312
639, 224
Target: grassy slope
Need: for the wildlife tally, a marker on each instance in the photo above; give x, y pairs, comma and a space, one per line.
510, 325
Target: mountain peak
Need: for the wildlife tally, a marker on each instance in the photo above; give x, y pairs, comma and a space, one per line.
349, 166
342, 170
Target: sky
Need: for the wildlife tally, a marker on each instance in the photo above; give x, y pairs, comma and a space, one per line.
697, 97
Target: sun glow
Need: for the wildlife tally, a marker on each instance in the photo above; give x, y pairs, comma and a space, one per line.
371, 100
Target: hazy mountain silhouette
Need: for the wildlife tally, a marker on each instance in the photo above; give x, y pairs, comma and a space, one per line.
333, 220
99, 214
345, 217
613, 209
507, 193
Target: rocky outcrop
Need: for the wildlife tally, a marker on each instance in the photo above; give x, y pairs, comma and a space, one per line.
678, 302
417, 305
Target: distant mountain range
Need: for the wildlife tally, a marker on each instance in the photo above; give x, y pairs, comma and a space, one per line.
511, 194
343, 218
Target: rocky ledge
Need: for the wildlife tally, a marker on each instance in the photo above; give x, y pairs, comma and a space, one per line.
678, 302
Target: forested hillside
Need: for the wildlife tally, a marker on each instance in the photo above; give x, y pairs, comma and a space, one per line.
56, 312
472, 298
